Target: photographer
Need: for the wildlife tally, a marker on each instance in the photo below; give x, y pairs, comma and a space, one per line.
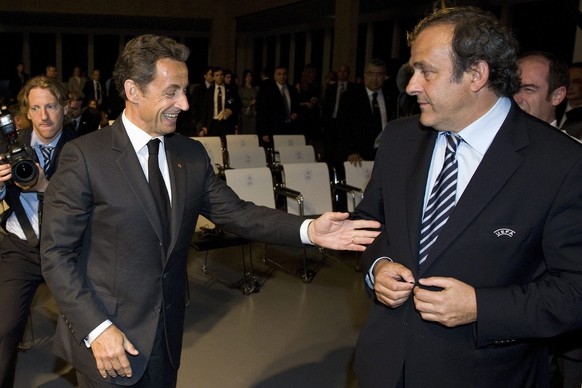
28, 160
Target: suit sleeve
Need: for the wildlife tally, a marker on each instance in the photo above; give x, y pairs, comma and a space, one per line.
67, 210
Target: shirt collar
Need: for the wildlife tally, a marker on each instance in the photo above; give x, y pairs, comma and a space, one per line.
34, 140
137, 136
480, 134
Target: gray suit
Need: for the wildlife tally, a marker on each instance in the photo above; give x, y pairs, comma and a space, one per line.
102, 255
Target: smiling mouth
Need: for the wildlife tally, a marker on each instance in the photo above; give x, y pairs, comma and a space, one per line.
171, 116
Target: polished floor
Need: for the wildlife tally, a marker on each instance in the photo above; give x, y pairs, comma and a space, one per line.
289, 334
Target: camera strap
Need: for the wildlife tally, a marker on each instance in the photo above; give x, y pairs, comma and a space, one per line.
23, 220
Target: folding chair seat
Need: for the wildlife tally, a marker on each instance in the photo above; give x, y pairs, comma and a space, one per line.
358, 177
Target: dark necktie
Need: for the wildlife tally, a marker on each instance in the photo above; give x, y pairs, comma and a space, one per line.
158, 186
376, 116
219, 101
442, 199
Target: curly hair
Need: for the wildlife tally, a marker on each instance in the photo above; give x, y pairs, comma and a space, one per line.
478, 36
42, 82
139, 57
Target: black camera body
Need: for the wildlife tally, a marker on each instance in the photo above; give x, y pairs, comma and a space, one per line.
21, 157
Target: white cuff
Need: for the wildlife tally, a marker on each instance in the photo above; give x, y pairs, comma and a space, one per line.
97, 332
303, 232
370, 275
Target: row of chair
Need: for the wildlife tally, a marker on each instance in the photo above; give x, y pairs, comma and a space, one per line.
244, 151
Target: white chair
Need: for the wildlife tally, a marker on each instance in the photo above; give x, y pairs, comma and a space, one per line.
241, 141
247, 157
213, 146
287, 140
312, 181
357, 176
296, 154
252, 184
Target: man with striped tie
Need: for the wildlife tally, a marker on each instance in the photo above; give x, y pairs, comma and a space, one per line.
44, 101
479, 261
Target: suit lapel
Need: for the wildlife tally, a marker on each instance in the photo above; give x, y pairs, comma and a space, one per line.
499, 163
177, 169
415, 189
131, 169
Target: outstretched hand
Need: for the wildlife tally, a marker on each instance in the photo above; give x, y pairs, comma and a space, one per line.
335, 231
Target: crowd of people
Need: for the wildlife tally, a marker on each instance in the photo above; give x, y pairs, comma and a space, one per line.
471, 223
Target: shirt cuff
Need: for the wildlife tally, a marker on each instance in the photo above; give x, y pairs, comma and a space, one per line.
97, 332
370, 274
303, 232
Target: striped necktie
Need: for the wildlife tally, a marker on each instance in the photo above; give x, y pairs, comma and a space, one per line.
442, 199
46, 152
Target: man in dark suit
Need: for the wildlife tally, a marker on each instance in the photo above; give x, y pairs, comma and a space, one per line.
478, 265
120, 215
82, 120
95, 89
367, 112
221, 107
44, 101
277, 106
332, 104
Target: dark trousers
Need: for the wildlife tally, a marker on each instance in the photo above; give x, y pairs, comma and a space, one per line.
159, 372
20, 276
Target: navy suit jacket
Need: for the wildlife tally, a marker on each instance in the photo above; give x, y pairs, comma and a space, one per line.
101, 243
515, 235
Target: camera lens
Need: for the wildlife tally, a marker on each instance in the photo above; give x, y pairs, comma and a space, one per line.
25, 172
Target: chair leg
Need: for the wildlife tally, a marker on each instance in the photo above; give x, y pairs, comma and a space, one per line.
248, 284
303, 272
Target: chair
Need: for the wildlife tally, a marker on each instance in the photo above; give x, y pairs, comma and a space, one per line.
252, 184
207, 237
213, 146
296, 154
241, 141
287, 140
312, 181
357, 176
247, 157
284, 141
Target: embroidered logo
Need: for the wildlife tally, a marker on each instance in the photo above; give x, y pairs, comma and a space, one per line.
504, 232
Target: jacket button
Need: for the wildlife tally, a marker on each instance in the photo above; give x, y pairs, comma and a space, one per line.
157, 309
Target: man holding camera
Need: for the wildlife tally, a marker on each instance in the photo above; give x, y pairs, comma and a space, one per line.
27, 162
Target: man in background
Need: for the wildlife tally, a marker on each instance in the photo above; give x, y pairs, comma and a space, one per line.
44, 102
544, 82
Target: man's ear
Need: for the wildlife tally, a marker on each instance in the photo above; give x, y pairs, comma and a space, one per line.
479, 73
131, 90
66, 109
558, 95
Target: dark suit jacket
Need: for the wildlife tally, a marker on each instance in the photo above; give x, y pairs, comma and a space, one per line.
231, 101
89, 122
356, 132
271, 112
514, 235
330, 125
102, 255
89, 93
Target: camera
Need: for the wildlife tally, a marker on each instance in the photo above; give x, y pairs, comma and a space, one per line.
21, 157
